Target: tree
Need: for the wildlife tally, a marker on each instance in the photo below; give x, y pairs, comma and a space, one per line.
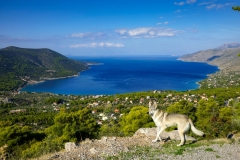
138, 117
236, 8
74, 126
68, 127
183, 107
212, 119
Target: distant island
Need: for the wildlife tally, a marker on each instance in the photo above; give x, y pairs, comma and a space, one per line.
21, 66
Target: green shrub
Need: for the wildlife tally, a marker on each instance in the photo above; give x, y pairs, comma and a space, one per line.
183, 107
138, 117
68, 127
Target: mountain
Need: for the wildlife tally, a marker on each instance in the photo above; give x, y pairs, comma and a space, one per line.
225, 57
228, 45
19, 66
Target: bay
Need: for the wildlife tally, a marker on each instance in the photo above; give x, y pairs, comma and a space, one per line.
115, 75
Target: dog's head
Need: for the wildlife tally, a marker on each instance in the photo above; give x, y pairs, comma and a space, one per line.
152, 107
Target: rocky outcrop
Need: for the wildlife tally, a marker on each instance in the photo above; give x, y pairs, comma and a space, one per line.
110, 146
70, 146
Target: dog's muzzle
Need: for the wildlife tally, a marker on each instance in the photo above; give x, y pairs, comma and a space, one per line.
151, 113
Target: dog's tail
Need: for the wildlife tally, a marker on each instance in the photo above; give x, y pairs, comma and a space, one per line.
195, 130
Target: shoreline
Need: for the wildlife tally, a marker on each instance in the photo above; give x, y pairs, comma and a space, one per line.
90, 64
33, 82
208, 75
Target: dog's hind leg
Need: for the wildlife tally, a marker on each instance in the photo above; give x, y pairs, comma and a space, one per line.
182, 133
182, 137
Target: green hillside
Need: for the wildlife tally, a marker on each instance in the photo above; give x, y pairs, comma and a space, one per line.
19, 66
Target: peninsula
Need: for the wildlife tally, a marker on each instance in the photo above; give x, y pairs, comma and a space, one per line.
21, 66
226, 57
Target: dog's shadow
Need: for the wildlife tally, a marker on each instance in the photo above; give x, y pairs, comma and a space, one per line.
165, 140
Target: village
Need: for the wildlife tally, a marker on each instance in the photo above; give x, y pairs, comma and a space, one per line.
107, 107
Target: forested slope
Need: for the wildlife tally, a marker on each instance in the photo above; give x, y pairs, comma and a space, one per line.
18, 66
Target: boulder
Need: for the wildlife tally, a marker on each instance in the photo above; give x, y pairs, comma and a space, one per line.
70, 146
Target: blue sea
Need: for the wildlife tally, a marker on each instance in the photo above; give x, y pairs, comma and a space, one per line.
116, 75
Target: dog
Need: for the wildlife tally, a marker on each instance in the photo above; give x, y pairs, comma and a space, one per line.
164, 120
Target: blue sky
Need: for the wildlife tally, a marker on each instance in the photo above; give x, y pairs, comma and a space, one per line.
119, 27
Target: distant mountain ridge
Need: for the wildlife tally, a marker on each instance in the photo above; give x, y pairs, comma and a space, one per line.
225, 57
228, 45
19, 66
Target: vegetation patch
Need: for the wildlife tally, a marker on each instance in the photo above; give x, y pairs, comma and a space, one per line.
209, 150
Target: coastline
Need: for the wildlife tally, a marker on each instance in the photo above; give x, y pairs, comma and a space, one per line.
208, 75
32, 82
193, 85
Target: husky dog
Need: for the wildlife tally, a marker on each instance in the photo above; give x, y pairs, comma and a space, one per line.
164, 120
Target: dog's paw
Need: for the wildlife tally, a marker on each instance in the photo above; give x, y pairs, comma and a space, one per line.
153, 141
179, 145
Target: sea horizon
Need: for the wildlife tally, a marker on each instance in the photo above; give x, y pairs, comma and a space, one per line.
125, 74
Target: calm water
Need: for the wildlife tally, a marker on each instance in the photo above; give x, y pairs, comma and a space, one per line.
129, 74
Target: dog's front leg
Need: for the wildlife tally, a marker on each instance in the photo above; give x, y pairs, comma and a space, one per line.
156, 139
159, 131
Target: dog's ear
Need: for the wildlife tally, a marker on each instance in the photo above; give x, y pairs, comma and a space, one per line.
155, 104
149, 104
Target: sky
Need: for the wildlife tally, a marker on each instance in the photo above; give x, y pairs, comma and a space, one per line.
119, 27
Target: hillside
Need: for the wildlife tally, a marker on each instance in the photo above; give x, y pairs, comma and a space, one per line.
224, 56
139, 146
19, 66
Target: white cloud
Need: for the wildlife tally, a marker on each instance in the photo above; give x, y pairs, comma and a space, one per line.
121, 31
191, 1
178, 11
95, 45
186, 2
87, 35
147, 32
217, 6
166, 22
211, 6
179, 4
205, 3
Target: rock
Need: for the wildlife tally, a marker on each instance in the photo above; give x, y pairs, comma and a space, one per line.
70, 146
104, 139
3, 152
93, 151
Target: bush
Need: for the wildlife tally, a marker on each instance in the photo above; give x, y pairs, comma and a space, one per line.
68, 127
138, 117
183, 107
210, 121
